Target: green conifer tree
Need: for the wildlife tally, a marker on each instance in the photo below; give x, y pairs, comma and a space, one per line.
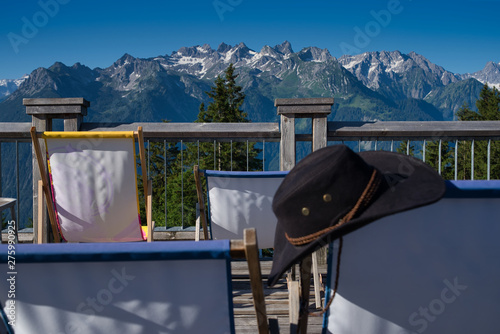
488, 106
225, 107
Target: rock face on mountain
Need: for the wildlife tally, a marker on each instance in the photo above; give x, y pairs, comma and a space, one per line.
490, 75
396, 75
370, 86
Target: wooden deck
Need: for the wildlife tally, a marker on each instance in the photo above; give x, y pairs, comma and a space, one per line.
276, 300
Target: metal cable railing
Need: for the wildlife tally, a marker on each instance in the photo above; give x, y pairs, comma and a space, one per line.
479, 141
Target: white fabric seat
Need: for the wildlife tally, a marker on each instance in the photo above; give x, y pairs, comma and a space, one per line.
434, 269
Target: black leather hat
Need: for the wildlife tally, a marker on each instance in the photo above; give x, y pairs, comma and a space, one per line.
334, 191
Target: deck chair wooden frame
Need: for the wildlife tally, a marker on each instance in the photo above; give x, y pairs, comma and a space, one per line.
45, 191
433, 269
132, 287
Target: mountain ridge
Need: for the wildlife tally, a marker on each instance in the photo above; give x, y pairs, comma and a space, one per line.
372, 86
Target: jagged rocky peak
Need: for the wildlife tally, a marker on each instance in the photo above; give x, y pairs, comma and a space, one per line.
269, 51
384, 59
223, 48
205, 48
194, 51
238, 52
315, 54
187, 51
424, 63
490, 74
38, 80
492, 70
242, 47
125, 59
58, 67
124, 65
284, 48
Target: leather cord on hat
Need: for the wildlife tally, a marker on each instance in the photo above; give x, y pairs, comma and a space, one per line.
363, 201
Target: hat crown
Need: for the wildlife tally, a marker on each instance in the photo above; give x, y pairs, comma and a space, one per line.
320, 190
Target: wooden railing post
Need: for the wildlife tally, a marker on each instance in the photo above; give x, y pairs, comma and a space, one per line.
42, 112
317, 109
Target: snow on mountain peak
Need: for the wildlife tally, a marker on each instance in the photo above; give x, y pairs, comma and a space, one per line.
490, 75
284, 48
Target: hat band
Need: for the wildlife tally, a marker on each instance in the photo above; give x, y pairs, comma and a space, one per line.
363, 201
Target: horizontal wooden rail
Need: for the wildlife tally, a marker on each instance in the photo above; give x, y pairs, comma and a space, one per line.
14, 131
196, 131
270, 131
432, 130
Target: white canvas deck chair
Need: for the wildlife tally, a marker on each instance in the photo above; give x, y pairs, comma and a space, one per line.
129, 288
238, 200
434, 269
91, 192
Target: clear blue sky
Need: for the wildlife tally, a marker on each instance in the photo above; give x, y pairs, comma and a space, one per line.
461, 36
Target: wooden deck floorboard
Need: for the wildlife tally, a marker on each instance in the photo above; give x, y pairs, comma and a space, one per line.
276, 300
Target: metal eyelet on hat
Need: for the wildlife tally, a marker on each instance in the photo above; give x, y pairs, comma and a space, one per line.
305, 211
327, 198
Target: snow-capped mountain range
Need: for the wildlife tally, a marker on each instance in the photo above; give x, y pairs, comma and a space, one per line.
372, 85
8, 86
490, 75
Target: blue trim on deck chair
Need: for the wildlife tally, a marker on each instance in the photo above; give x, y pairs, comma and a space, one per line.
260, 174
123, 251
5, 327
328, 288
472, 189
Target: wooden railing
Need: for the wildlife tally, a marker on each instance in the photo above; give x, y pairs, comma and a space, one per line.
73, 111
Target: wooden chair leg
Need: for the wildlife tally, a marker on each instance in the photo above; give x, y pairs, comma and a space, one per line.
305, 284
316, 280
293, 305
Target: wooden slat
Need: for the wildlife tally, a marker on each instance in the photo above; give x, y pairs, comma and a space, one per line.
201, 202
149, 211
142, 157
270, 131
39, 239
56, 101
15, 131
45, 181
287, 144
304, 101
305, 284
294, 305
195, 131
252, 255
422, 130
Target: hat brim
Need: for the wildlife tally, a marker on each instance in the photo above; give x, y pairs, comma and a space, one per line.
411, 184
